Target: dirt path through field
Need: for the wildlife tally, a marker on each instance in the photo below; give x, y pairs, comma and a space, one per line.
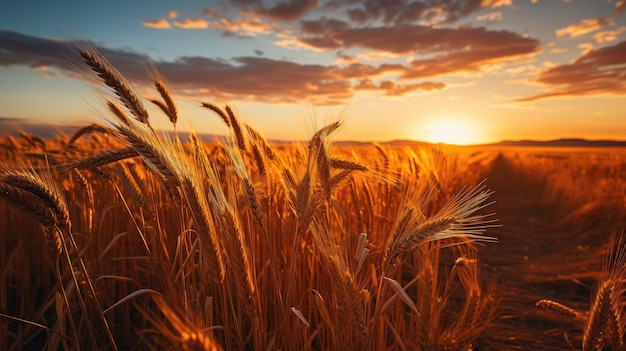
518, 261
527, 221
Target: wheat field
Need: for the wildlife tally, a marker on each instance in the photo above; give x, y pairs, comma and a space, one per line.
123, 237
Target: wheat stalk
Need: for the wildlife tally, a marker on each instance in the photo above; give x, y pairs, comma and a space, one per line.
455, 219
561, 309
86, 130
237, 130
339, 163
409, 241
113, 79
349, 301
153, 151
219, 112
118, 113
101, 159
249, 189
34, 140
45, 192
169, 108
602, 325
257, 137
39, 210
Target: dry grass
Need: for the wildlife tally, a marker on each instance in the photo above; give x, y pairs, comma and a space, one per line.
165, 243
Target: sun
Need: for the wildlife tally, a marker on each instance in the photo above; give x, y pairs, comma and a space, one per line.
449, 132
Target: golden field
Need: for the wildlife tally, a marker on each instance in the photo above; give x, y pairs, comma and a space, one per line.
122, 237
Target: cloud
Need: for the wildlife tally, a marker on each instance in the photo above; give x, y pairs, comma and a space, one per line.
412, 12
583, 27
620, 6
496, 3
246, 25
270, 80
598, 71
368, 11
391, 88
192, 23
253, 78
490, 17
286, 10
390, 12
157, 24
416, 39
161, 23
260, 79
24, 50
188, 23
609, 35
472, 60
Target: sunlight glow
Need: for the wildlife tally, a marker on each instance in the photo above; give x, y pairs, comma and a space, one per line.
450, 132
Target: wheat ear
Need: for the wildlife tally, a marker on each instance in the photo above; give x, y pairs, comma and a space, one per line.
455, 219
219, 112
248, 187
42, 191
602, 324
113, 79
101, 159
86, 130
550, 305
36, 208
235, 125
151, 148
169, 108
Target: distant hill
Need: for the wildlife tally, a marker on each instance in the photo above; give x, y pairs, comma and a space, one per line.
13, 126
564, 142
398, 142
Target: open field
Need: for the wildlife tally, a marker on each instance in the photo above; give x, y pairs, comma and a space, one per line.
557, 209
121, 237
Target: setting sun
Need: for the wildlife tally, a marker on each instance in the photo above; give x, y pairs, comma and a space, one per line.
450, 132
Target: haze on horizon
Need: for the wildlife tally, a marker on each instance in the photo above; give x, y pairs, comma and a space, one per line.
458, 71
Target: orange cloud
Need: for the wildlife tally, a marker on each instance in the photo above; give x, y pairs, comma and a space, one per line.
397, 89
248, 25
496, 3
172, 15
244, 27
598, 71
609, 35
583, 27
490, 17
557, 50
464, 49
158, 24
192, 23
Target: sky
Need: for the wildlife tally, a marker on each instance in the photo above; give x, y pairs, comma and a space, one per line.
457, 71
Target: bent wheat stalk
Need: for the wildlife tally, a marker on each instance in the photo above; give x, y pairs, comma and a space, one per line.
113, 79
